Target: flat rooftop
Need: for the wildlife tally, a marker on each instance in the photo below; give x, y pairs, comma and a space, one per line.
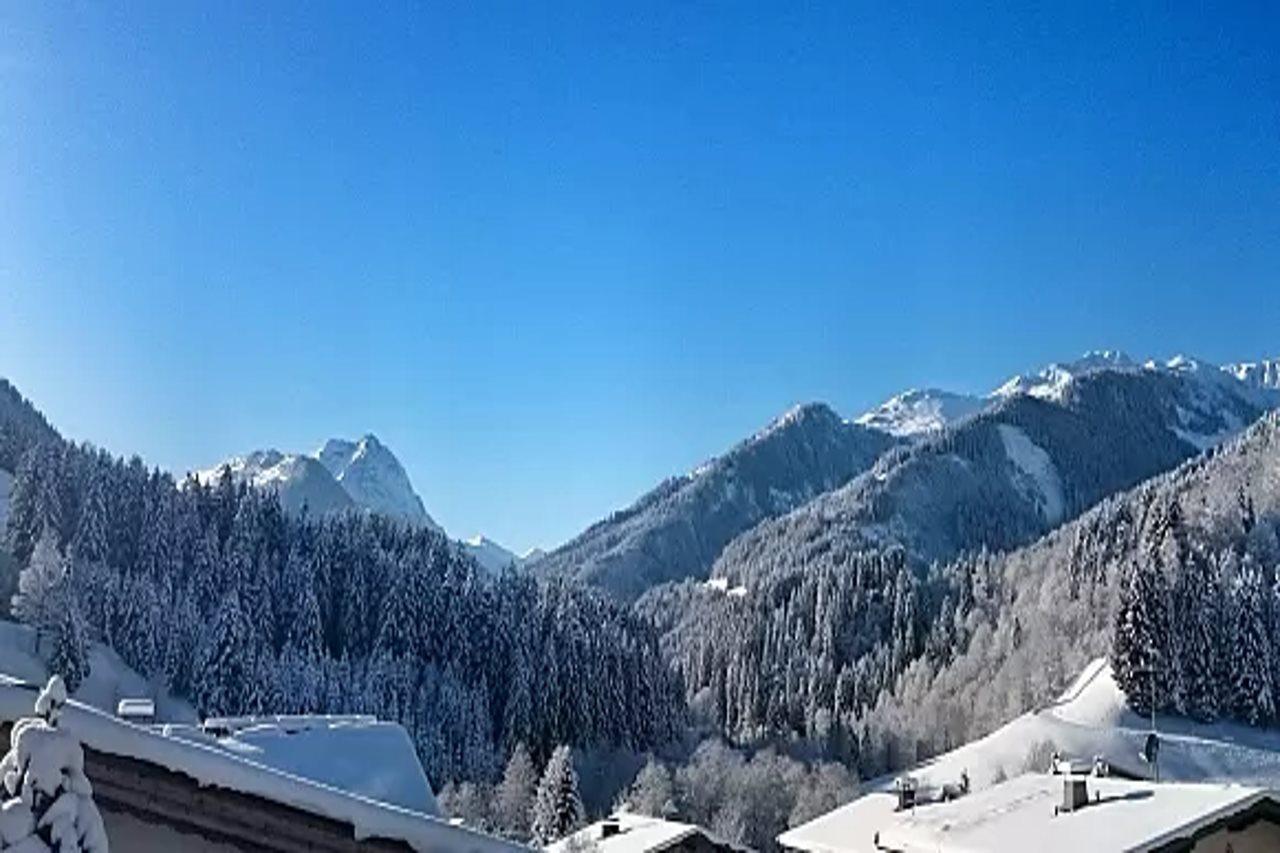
1126, 815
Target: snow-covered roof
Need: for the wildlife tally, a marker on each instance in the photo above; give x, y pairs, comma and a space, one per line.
636, 834
1126, 815
213, 765
355, 753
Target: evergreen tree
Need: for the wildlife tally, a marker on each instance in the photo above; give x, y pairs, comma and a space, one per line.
70, 656
557, 806
1197, 596
1139, 654
514, 796
1251, 693
226, 664
42, 586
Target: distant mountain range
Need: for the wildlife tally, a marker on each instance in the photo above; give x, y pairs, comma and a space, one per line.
934, 470
679, 528
922, 411
344, 476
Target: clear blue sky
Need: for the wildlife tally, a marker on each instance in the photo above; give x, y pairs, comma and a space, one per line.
553, 253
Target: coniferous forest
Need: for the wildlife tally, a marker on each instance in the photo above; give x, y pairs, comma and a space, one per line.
861, 664
218, 594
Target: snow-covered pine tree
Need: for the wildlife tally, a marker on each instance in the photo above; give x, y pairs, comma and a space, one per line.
1140, 643
48, 800
557, 806
513, 798
654, 791
42, 586
1198, 636
89, 544
1250, 652
70, 656
226, 663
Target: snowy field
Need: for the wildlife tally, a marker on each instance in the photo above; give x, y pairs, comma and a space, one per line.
1090, 719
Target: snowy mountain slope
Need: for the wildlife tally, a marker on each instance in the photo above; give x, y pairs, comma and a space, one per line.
924, 412
1001, 478
300, 481
679, 528
1091, 719
374, 478
110, 679
921, 411
1051, 382
490, 554
1258, 374
1051, 606
342, 475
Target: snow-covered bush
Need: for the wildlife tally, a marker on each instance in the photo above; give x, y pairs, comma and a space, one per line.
48, 803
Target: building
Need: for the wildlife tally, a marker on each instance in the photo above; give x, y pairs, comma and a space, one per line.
625, 832
1054, 814
274, 785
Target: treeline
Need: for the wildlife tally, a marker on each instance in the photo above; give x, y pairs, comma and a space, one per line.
806, 655
1185, 564
218, 594
1197, 630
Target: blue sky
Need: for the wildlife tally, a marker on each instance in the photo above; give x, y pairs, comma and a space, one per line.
552, 253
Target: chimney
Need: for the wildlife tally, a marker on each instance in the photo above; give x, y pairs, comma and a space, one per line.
609, 828
1075, 793
906, 788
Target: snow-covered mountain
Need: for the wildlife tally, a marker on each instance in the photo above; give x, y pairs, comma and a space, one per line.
340, 476
300, 481
490, 554
920, 411
1072, 436
1258, 374
374, 478
924, 412
346, 475
677, 529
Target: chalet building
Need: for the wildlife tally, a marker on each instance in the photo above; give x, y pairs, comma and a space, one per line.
1052, 814
624, 832
269, 785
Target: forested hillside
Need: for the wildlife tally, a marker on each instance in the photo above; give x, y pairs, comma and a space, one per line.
678, 529
1186, 565
842, 599
236, 605
1002, 478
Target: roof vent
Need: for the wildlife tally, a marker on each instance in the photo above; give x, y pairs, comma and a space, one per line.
1075, 793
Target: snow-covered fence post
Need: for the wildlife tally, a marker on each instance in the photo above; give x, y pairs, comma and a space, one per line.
48, 802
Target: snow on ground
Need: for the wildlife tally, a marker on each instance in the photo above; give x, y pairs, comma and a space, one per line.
721, 585
920, 411
1040, 479
1091, 719
110, 679
353, 753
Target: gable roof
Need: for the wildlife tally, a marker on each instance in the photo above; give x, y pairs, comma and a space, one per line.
637, 834
211, 766
1127, 815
